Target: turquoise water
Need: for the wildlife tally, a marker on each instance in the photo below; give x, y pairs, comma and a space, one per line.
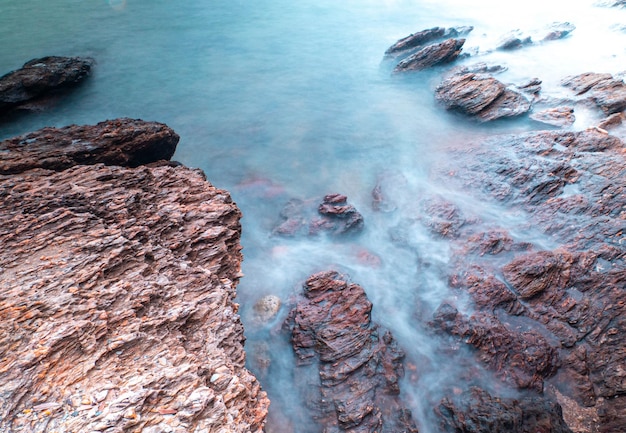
280, 99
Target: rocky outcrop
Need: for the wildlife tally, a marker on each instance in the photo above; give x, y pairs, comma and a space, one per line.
117, 307
607, 92
477, 411
334, 216
432, 55
482, 96
42, 77
547, 319
127, 142
418, 40
355, 364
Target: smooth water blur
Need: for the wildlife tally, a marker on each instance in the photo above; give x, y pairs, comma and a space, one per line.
277, 99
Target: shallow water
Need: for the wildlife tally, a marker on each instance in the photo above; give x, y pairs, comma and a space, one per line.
277, 99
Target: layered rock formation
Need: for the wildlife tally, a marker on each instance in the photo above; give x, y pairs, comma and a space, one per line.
117, 307
545, 319
351, 366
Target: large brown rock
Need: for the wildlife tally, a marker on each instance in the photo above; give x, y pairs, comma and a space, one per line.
117, 308
355, 364
419, 39
41, 77
127, 142
480, 95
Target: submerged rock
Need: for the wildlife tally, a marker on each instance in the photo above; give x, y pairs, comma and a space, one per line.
117, 307
477, 411
432, 55
334, 216
356, 365
513, 40
559, 116
41, 77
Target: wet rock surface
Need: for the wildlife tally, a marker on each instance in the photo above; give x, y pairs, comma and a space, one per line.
334, 216
545, 319
607, 92
117, 307
418, 40
351, 366
127, 142
558, 116
39, 78
432, 55
482, 96
476, 411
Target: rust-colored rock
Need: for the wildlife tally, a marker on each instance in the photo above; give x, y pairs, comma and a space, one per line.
41, 77
126, 142
356, 364
117, 307
480, 95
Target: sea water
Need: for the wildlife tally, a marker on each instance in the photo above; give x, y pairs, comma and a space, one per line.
277, 99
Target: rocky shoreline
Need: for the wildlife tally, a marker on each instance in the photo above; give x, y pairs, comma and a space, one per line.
119, 271
120, 267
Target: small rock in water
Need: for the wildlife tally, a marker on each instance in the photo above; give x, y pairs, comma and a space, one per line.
513, 40
266, 308
559, 116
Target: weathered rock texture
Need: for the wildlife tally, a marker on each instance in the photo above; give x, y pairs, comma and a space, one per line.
530, 414
117, 307
607, 92
432, 55
126, 142
482, 96
39, 78
355, 364
546, 315
418, 40
333, 216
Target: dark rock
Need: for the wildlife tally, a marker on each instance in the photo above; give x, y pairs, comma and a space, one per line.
41, 77
477, 411
126, 142
432, 55
415, 40
334, 216
418, 40
559, 116
521, 358
482, 96
356, 364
